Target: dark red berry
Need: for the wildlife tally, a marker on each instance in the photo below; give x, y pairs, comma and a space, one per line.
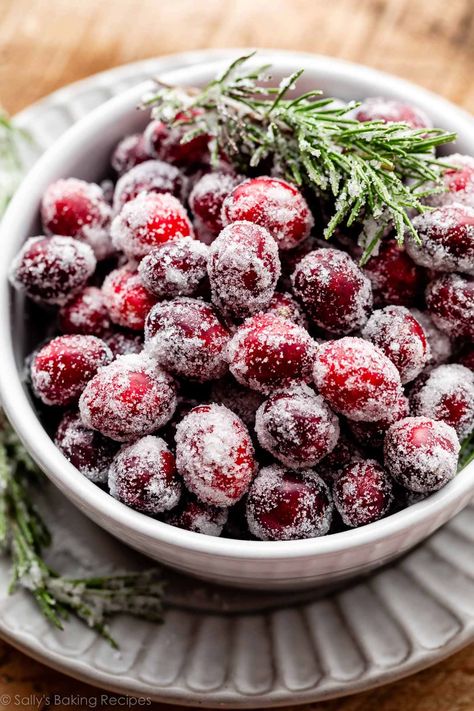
395, 277
284, 305
458, 182
175, 268
124, 342
362, 493
207, 197
194, 515
128, 153
127, 300
89, 451
391, 111
450, 302
371, 434
152, 176
85, 313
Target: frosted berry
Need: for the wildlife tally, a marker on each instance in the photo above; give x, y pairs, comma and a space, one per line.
391, 111
124, 342
371, 434
61, 369
207, 197
334, 292
128, 399
50, 269
421, 454
395, 277
74, 208
186, 337
153, 136
269, 352
152, 176
128, 153
143, 476
446, 393
450, 303
175, 268
297, 427
147, 221
239, 399
440, 347
243, 269
285, 305
89, 451
446, 239
166, 142
274, 204
401, 337
127, 300
194, 515
356, 379
286, 505
85, 313
362, 493
215, 455
458, 182
344, 453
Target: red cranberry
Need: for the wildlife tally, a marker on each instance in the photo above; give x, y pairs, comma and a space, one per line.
243, 269
50, 269
440, 348
143, 476
274, 204
153, 137
458, 182
466, 357
147, 221
166, 143
207, 197
186, 337
297, 427
152, 176
446, 239
333, 290
284, 305
447, 394
88, 451
285, 505
74, 208
128, 399
363, 493
344, 453
421, 454
236, 397
450, 302
391, 111
128, 153
269, 352
395, 277
401, 337
175, 268
124, 342
85, 313
215, 455
193, 515
371, 434
61, 369
127, 300
356, 379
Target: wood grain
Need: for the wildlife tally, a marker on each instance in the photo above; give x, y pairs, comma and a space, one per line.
45, 44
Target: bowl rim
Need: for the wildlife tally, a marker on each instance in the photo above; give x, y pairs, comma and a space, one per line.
87, 496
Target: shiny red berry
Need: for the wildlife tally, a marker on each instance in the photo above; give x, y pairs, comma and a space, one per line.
127, 300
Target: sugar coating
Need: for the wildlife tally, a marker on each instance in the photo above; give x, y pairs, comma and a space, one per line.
50, 269
371, 434
243, 269
297, 427
345, 452
194, 515
394, 276
153, 176
363, 493
285, 505
126, 299
421, 454
458, 182
143, 475
85, 313
285, 305
123, 342
236, 397
87, 450
207, 196
447, 394
129, 398
450, 303
186, 337
440, 346
391, 111
175, 268
335, 293
215, 454
129, 152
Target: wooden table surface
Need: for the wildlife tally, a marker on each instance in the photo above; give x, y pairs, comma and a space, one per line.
45, 44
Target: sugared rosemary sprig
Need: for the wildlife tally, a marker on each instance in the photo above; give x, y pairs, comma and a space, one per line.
10, 161
374, 173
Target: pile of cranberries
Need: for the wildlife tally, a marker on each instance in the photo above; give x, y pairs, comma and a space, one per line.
218, 366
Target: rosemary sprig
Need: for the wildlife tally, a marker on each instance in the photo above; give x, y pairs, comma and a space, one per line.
10, 161
371, 171
466, 455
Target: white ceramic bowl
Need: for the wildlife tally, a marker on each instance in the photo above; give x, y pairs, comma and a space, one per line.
83, 152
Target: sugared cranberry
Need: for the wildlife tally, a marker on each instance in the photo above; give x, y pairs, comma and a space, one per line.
87, 450
128, 399
194, 515
153, 137
395, 277
440, 347
50, 269
446, 393
207, 197
269, 352
167, 143
391, 111
147, 221
356, 379
450, 302
74, 208
127, 300
284, 305
421, 454
128, 153
363, 493
215, 455
344, 453
61, 369
297, 427
466, 356
446, 239
152, 176
85, 313
274, 204
371, 434
143, 476
124, 342
286, 505
236, 397
186, 337
401, 337
175, 268
243, 269
458, 182
334, 292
